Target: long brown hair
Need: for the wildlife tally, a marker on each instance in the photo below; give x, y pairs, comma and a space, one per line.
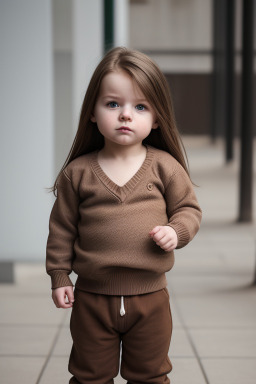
155, 88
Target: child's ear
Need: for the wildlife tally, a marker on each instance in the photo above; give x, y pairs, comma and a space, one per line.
93, 118
155, 125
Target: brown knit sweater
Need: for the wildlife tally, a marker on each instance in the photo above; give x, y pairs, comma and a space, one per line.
101, 230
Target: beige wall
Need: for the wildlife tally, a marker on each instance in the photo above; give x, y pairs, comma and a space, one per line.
173, 25
26, 121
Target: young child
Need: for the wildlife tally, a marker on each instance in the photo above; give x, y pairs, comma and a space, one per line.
124, 202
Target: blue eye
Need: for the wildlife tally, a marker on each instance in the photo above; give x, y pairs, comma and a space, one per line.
140, 107
113, 104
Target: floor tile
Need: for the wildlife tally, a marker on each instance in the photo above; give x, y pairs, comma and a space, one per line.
186, 371
225, 342
20, 370
197, 286
230, 371
212, 312
215, 301
64, 343
180, 345
29, 310
26, 340
27, 275
176, 321
56, 371
68, 314
223, 262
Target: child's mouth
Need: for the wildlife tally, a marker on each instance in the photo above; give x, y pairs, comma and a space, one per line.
124, 129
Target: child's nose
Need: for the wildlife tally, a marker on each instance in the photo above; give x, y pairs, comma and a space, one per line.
126, 114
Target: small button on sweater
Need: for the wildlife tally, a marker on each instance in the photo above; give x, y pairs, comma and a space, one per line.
100, 230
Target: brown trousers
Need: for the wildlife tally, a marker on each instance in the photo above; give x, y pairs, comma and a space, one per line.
97, 329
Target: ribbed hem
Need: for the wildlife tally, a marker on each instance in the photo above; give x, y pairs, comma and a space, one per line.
182, 233
124, 283
60, 279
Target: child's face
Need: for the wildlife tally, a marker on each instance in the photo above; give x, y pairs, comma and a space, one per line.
122, 104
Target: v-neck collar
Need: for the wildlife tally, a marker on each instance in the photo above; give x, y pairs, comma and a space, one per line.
121, 192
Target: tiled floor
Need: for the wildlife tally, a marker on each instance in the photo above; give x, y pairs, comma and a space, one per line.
213, 302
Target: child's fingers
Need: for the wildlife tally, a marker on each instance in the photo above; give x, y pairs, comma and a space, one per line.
165, 237
66, 305
158, 234
169, 246
163, 240
70, 294
62, 302
154, 230
59, 296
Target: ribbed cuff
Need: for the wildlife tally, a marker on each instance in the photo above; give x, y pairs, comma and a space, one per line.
60, 279
182, 234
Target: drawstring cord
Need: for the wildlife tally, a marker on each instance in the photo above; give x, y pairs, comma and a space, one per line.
122, 310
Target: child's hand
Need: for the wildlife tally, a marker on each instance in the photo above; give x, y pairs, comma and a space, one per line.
59, 295
165, 237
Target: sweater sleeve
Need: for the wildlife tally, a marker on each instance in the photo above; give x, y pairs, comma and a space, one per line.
184, 213
62, 233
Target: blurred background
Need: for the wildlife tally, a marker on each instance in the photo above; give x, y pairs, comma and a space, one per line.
206, 49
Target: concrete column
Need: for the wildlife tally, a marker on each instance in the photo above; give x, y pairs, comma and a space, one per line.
62, 46
108, 25
246, 158
26, 120
87, 48
121, 17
